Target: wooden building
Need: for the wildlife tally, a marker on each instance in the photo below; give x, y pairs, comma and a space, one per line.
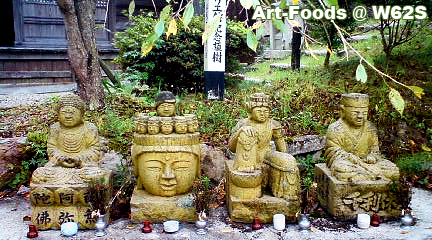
33, 45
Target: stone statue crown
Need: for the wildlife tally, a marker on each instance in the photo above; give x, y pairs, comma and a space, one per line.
355, 100
259, 100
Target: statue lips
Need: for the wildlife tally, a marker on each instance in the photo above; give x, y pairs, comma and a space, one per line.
168, 187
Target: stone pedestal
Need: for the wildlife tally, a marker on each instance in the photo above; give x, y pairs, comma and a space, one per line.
145, 206
344, 200
244, 205
53, 205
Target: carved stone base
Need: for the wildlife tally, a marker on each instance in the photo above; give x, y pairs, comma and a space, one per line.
246, 202
53, 205
145, 206
344, 200
264, 208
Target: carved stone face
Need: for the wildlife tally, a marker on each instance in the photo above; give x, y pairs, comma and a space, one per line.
260, 114
193, 126
166, 110
70, 116
141, 127
166, 128
167, 174
153, 128
355, 116
181, 127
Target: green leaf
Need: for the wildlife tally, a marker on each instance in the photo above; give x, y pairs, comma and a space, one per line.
396, 100
166, 12
279, 24
131, 8
361, 74
418, 91
159, 28
247, 4
210, 28
283, 4
260, 32
188, 14
330, 3
251, 40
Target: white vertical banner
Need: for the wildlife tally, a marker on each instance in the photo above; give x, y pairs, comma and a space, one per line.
214, 49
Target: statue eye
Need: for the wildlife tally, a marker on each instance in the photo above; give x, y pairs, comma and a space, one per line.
154, 165
182, 165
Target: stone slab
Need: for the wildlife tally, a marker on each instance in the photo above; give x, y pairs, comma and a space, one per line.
145, 206
344, 200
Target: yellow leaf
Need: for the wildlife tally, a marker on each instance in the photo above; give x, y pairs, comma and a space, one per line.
425, 148
146, 48
256, 25
418, 91
295, 2
330, 51
172, 28
294, 23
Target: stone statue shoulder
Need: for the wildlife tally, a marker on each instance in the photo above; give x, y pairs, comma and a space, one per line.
336, 126
91, 127
275, 124
55, 128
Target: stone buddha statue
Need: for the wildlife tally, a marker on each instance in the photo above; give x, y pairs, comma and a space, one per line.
256, 166
352, 144
73, 147
166, 162
61, 190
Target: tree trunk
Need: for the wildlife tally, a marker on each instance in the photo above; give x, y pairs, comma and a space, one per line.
79, 18
295, 49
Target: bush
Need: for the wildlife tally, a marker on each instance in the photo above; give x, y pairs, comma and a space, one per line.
176, 63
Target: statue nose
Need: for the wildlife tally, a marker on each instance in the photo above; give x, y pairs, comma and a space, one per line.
168, 173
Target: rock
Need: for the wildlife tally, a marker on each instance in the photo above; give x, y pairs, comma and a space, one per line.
12, 153
111, 160
212, 162
307, 144
23, 190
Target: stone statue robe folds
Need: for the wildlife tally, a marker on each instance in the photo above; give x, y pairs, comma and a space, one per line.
354, 153
80, 143
279, 168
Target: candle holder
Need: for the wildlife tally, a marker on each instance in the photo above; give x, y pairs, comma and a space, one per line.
407, 221
32, 233
147, 228
375, 220
304, 223
100, 226
279, 222
256, 223
201, 223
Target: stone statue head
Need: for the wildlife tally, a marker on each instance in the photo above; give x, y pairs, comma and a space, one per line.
259, 107
71, 110
166, 125
153, 125
169, 171
141, 123
180, 125
165, 104
192, 123
355, 108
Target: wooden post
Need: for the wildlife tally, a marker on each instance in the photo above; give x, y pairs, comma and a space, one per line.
295, 46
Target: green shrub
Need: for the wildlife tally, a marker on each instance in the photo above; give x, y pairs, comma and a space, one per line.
176, 63
36, 149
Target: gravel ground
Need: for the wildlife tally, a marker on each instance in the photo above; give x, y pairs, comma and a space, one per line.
10, 101
14, 209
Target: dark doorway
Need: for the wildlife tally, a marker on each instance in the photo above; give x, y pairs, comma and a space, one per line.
6, 24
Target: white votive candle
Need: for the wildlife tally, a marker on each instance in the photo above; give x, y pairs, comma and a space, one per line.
279, 222
363, 220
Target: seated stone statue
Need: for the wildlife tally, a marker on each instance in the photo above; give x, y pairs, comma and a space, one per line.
166, 162
61, 190
73, 147
251, 142
352, 144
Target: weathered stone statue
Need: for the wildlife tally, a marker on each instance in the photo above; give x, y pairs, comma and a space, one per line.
352, 144
166, 163
256, 166
73, 164
354, 158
